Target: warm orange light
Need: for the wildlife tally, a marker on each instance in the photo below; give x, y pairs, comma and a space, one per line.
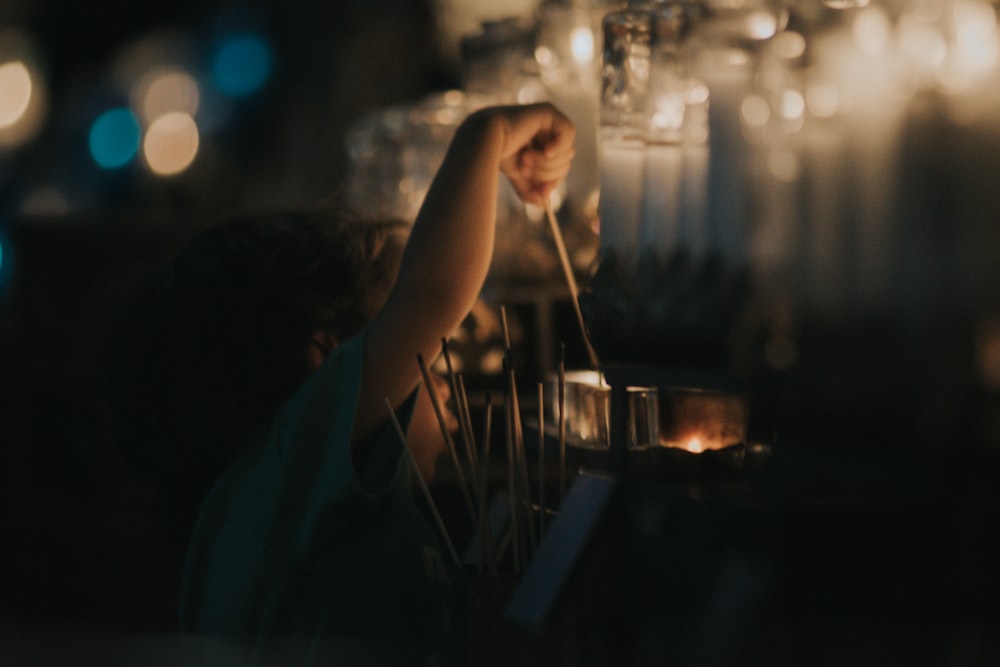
171, 143
872, 30
15, 92
23, 103
755, 111
166, 90
694, 445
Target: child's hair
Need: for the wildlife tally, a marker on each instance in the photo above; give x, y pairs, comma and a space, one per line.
218, 340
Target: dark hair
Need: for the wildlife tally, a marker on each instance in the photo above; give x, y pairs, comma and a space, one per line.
218, 339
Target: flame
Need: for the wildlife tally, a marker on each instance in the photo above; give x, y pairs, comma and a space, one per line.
694, 445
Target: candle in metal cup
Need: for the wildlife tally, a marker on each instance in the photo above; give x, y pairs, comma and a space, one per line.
587, 405
699, 420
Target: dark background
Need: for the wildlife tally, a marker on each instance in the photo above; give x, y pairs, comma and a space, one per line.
81, 567
875, 555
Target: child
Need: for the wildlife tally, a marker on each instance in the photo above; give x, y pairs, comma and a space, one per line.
309, 545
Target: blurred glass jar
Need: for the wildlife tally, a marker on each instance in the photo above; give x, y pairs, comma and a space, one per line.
393, 153
569, 65
498, 62
374, 145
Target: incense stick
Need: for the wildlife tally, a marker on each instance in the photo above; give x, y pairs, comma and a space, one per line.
505, 331
423, 484
486, 546
521, 487
541, 461
462, 414
574, 291
522, 471
511, 476
463, 403
561, 389
443, 424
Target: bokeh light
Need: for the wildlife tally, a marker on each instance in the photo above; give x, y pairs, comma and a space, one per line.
45, 202
755, 111
822, 100
23, 94
242, 64
582, 44
872, 31
164, 90
15, 92
761, 25
171, 143
114, 138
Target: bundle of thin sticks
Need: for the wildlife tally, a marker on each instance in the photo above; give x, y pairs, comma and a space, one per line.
525, 525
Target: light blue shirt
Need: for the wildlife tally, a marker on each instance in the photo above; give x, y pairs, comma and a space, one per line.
299, 555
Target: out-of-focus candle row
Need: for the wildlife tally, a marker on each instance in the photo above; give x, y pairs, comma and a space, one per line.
780, 146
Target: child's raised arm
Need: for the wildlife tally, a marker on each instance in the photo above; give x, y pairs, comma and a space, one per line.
450, 247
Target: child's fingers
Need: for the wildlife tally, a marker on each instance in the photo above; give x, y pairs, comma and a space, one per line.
539, 150
543, 165
540, 127
546, 175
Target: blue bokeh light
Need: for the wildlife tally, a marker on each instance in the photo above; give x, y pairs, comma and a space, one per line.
114, 138
242, 64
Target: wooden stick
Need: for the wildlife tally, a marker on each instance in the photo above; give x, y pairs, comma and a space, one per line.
486, 545
561, 389
443, 424
520, 471
464, 422
505, 331
511, 475
423, 484
574, 291
463, 403
541, 461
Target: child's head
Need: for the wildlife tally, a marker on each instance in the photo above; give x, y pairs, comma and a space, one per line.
236, 321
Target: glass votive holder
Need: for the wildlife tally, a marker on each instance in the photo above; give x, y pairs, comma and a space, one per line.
587, 405
643, 417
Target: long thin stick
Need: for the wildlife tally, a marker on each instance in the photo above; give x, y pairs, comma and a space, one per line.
463, 403
423, 484
520, 469
443, 424
486, 546
561, 388
505, 331
511, 474
541, 461
461, 412
574, 291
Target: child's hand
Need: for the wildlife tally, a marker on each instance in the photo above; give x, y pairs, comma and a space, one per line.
537, 149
